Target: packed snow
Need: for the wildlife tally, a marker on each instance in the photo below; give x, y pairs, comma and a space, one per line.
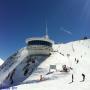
74, 55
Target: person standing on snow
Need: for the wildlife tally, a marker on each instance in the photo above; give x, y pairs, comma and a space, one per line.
77, 62
83, 75
72, 77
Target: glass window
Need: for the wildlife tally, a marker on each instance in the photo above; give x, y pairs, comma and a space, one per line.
38, 42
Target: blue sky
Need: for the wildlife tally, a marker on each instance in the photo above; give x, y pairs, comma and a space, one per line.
67, 20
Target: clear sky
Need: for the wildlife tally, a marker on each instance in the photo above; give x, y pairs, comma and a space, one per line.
67, 20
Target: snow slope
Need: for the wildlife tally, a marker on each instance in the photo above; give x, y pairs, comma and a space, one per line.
1, 61
63, 54
60, 80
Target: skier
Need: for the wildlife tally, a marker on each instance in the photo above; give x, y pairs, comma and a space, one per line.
72, 77
83, 75
77, 62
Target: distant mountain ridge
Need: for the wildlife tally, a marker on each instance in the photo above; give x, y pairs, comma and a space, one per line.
1, 61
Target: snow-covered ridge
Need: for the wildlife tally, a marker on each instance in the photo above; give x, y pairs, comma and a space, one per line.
1, 61
11, 63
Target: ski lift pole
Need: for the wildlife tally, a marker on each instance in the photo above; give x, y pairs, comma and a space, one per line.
68, 56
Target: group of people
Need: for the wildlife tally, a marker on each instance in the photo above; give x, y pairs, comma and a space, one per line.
83, 75
65, 68
83, 78
77, 61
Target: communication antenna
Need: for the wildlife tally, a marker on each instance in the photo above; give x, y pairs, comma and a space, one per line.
46, 36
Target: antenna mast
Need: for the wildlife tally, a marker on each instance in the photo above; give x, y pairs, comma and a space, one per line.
46, 36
